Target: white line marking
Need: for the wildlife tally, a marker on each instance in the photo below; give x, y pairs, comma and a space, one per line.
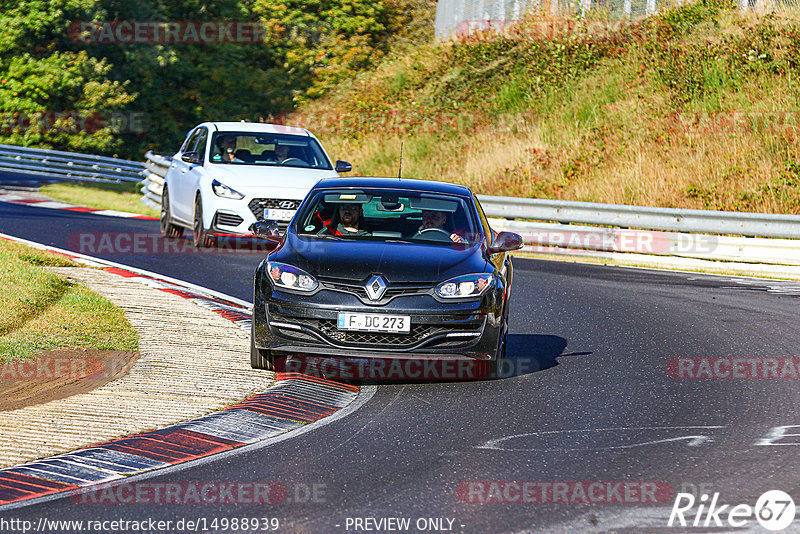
694, 440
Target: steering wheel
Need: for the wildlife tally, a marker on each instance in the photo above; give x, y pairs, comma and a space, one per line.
293, 161
435, 234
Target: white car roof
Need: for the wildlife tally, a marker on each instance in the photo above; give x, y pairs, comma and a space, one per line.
259, 127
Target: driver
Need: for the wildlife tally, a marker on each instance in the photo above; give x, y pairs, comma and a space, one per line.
281, 153
437, 219
350, 219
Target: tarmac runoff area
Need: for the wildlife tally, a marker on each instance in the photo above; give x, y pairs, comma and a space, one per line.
192, 362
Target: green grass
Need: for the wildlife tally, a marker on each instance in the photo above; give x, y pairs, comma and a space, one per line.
124, 196
40, 311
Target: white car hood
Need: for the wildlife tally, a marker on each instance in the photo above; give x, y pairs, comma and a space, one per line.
273, 182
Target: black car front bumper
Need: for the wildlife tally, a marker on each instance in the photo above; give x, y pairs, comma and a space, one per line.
291, 324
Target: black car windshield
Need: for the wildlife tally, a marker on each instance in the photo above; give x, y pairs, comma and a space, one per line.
386, 215
283, 150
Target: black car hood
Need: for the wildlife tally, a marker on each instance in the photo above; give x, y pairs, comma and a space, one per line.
346, 259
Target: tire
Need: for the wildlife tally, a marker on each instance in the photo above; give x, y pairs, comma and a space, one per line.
201, 237
260, 358
496, 365
167, 228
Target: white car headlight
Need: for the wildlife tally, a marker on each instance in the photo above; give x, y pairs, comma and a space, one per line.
286, 276
222, 190
465, 286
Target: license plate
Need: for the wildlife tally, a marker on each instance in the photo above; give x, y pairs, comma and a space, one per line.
279, 215
368, 322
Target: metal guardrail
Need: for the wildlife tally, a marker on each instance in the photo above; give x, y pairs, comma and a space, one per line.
155, 169
569, 239
662, 231
59, 165
668, 219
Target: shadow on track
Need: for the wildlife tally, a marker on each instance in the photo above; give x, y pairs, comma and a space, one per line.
531, 353
526, 354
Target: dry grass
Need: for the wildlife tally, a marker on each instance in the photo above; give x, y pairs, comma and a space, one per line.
667, 164
615, 132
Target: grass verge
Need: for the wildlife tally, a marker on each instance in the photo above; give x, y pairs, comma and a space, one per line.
695, 107
40, 311
124, 196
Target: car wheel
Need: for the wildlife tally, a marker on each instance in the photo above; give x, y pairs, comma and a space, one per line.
497, 363
260, 358
167, 228
201, 238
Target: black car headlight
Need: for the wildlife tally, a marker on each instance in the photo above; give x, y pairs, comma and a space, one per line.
465, 286
222, 190
288, 277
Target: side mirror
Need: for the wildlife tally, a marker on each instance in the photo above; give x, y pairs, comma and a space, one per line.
506, 242
343, 166
266, 229
191, 157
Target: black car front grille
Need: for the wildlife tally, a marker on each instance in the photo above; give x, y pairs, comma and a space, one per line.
418, 334
351, 337
258, 205
229, 219
394, 290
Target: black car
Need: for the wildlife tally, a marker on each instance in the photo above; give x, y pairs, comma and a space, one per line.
384, 268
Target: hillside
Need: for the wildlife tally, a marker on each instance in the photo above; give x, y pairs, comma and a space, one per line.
696, 107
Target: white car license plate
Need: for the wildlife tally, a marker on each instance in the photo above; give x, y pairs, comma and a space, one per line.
279, 215
368, 322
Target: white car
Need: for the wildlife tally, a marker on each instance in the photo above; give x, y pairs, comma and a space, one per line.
228, 175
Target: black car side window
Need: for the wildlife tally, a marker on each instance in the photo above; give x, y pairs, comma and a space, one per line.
484, 222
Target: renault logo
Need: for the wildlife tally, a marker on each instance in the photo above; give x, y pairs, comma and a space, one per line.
376, 287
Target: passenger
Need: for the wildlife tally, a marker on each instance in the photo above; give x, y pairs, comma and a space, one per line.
437, 219
227, 147
351, 218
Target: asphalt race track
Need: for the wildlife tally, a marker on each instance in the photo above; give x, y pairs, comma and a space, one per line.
596, 398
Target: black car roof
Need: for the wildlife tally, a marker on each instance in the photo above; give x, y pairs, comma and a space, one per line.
394, 183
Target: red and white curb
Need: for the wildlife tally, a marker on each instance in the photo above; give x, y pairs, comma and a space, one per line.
295, 402
57, 205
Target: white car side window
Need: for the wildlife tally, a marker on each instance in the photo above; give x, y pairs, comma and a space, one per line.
190, 140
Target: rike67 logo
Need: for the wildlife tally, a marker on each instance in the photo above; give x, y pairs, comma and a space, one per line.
774, 510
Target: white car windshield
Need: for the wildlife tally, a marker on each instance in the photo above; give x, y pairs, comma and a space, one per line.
390, 215
247, 148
